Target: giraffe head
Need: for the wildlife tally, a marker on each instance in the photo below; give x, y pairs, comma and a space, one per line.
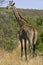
10, 4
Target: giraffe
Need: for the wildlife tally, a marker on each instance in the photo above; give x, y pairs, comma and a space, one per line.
27, 32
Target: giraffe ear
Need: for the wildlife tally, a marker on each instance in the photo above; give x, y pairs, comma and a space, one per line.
13, 3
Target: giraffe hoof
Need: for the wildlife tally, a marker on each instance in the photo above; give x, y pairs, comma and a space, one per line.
26, 58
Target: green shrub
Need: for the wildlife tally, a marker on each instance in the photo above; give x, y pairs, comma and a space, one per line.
9, 28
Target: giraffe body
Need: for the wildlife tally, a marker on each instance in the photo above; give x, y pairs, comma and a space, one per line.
27, 32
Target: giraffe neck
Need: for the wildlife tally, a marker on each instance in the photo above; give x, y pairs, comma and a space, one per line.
15, 12
20, 21
22, 17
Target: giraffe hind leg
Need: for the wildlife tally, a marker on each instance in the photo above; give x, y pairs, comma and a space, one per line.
31, 46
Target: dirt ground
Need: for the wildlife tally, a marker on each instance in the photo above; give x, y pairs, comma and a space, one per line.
13, 58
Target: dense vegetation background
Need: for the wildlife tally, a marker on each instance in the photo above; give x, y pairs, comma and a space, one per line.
9, 27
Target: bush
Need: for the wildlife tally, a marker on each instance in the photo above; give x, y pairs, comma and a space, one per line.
41, 35
39, 21
9, 28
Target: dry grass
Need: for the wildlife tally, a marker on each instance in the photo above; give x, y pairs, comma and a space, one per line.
13, 58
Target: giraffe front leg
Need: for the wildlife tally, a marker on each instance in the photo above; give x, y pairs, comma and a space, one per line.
25, 50
21, 48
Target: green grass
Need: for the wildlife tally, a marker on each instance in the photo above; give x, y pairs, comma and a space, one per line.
9, 27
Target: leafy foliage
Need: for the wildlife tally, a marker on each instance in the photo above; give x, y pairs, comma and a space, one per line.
9, 27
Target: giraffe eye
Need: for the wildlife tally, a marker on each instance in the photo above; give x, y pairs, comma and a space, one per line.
13, 3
